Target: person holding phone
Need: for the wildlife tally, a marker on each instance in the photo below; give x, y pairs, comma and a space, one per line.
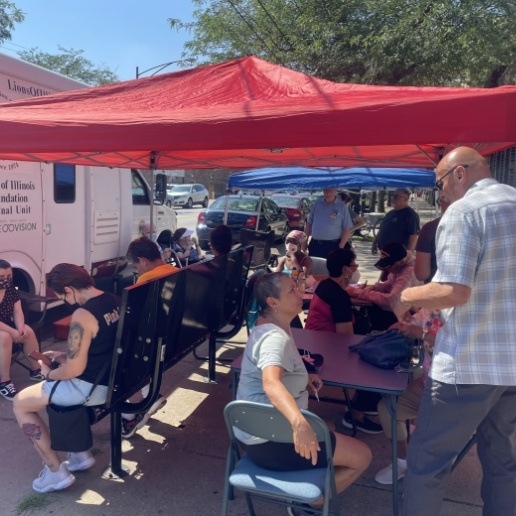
13, 330
90, 345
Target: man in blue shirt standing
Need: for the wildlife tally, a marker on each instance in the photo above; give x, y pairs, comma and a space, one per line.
329, 224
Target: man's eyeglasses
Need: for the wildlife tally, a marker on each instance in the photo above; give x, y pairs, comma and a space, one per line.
439, 182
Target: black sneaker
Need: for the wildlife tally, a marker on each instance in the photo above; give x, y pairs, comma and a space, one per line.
8, 390
367, 426
129, 427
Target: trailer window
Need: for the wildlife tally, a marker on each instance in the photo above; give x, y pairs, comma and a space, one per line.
140, 193
64, 183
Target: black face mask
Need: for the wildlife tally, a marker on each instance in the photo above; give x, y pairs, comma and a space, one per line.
71, 308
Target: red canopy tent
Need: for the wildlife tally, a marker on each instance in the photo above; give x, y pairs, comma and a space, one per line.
249, 113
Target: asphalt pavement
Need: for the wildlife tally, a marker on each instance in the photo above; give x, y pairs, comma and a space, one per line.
176, 463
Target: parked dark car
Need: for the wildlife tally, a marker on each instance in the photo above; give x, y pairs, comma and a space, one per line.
297, 209
242, 213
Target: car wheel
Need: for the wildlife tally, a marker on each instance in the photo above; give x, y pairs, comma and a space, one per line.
189, 203
205, 202
286, 231
169, 204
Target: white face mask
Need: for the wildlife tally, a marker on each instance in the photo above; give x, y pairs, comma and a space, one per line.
355, 277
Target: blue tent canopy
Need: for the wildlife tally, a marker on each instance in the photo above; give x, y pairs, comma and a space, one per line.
300, 178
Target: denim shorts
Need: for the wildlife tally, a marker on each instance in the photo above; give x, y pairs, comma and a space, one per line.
74, 392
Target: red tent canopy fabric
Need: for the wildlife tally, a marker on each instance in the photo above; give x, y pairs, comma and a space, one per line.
250, 113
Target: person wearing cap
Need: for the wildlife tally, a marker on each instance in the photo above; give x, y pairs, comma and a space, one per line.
329, 224
295, 257
400, 225
399, 266
186, 246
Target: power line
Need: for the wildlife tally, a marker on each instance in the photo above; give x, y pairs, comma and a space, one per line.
284, 36
254, 32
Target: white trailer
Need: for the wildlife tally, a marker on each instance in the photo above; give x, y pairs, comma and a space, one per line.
52, 213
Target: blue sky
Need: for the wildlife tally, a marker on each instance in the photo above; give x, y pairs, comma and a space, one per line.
121, 34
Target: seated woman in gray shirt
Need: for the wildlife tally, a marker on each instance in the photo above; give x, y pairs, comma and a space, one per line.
273, 372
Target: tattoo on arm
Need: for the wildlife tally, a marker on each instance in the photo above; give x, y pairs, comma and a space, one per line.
75, 339
32, 431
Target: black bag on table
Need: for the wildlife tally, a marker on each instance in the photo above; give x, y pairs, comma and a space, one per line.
391, 350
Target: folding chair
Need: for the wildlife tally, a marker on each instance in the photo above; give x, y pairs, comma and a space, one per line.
262, 242
286, 488
319, 266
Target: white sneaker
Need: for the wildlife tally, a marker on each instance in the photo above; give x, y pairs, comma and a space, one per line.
384, 476
79, 461
53, 481
159, 403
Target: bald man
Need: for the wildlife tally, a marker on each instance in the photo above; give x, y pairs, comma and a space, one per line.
472, 384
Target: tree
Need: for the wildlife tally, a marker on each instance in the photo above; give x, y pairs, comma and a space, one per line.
397, 42
9, 15
71, 63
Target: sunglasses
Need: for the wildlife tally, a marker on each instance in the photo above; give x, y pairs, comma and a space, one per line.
439, 182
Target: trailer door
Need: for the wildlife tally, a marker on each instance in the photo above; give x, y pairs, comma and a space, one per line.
64, 219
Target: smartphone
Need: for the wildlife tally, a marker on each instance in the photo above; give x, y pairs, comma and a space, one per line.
36, 355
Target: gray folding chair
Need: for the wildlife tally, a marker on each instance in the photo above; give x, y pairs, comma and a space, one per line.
319, 265
287, 488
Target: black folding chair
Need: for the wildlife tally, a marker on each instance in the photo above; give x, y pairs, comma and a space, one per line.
262, 242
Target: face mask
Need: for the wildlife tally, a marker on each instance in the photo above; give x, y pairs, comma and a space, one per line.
355, 277
5, 282
153, 236
71, 308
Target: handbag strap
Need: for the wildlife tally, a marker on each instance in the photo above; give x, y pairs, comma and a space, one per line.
97, 380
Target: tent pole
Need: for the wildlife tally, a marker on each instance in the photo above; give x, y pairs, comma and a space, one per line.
259, 210
152, 168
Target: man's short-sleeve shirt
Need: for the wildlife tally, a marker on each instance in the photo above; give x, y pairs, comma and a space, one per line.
398, 226
426, 244
329, 220
476, 247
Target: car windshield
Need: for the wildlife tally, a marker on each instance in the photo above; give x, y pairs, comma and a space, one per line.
235, 204
180, 189
285, 201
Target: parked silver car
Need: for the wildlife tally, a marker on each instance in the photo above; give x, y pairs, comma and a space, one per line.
187, 195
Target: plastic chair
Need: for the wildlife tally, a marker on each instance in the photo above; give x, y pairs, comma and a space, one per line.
319, 266
262, 242
286, 488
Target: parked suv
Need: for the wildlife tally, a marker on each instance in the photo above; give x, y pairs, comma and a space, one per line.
187, 195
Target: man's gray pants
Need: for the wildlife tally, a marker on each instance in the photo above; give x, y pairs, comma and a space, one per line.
449, 415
